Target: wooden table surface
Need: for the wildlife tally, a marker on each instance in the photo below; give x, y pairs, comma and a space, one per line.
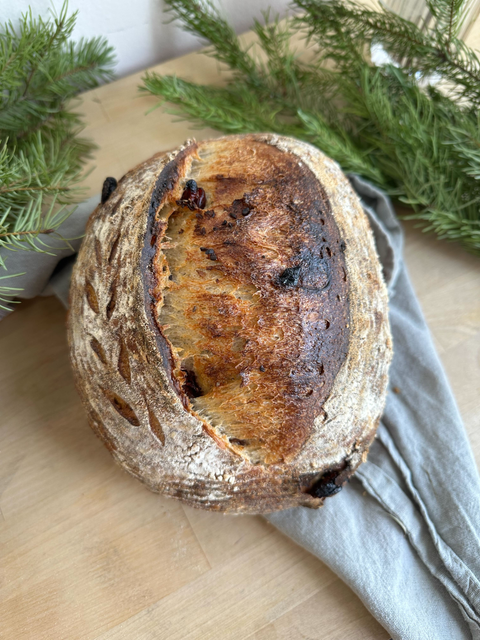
86, 551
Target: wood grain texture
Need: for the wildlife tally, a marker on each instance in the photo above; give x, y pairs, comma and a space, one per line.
87, 552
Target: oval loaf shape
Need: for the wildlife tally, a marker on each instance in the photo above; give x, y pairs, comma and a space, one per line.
249, 325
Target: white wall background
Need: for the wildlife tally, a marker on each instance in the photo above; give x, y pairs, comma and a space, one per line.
137, 28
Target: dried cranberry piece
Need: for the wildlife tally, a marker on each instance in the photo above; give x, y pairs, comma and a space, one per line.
201, 198
193, 196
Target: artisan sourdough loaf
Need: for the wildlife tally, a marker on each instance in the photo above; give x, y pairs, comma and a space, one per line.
229, 324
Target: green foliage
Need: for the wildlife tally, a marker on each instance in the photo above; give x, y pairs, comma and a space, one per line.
41, 153
385, 123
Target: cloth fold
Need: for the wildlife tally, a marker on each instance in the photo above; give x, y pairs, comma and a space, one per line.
404, 532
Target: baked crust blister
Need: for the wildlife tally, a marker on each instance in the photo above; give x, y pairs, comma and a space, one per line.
234, 356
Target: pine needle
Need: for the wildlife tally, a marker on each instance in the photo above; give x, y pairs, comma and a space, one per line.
41, 153
385, 123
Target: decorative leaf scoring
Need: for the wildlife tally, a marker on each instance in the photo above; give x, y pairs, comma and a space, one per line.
156, 427
122, 407
98, 252
113, 250
124, 362
91, 296
99, 350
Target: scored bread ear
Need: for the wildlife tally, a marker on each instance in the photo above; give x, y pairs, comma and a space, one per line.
228, 325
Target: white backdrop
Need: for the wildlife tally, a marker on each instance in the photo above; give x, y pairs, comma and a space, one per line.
136, 28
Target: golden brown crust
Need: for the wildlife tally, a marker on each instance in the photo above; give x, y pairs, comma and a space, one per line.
134, 369
257, 283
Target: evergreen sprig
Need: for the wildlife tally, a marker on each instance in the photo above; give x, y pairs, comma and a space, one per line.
41, 153
386, 123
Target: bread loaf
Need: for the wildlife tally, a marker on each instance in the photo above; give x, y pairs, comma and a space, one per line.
229, 325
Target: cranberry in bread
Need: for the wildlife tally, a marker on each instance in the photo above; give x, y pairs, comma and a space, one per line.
229, 324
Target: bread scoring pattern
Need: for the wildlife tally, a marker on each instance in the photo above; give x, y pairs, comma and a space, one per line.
139, 389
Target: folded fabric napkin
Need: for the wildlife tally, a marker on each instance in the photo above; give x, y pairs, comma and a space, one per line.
404, 533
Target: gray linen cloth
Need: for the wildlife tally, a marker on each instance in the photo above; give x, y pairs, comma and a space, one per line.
404, 532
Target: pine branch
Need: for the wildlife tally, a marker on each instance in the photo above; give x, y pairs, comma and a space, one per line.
26, 233
230, 109
420, 145
340, 27
41, 153
7, 293
202, 18
235, 109
449, 16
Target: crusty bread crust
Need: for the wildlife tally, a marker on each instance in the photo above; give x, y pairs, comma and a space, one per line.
131, 365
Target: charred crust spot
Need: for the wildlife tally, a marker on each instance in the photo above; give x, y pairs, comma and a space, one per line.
289, 277
238, 208
191, 185
99, 350
109, 186
122, 407
261, 368
343, 246
326, 485
124, 362
156, 427
311, 273
91, 295
210, 253
167, 180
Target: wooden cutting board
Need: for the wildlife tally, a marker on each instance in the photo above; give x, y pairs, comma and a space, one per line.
86, 551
